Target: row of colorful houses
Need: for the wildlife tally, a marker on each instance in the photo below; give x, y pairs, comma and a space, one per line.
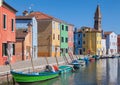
33, 34
95, 41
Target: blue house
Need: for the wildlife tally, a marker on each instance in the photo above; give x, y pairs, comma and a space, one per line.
21, 23
77, 42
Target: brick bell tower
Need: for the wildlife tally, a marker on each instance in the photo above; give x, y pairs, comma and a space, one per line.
97, 19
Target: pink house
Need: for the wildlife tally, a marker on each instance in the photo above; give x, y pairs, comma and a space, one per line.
70, 38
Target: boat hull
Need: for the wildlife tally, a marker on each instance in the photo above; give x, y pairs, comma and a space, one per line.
65, 68
25, 77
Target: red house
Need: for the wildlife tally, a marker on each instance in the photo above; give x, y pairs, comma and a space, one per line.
118, 43
7, 32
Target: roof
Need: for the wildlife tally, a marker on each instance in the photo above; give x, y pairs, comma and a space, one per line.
97, 12
4, 3
90, 29
79, 30
40, 15
24, 17
21, 33
118, 36
107, 33
43, 16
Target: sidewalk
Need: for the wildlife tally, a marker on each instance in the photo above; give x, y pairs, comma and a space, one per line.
26, 65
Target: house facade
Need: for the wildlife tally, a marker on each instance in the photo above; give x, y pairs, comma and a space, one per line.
70, 38
91, 41
23, 43
48, 35
103, 48
64, 39
22, 23
111, 42
78, 42
118, 43
7, 32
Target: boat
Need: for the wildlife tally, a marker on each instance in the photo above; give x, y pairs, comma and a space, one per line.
34, 76
76, 64
92, 59
96, 57
65, 68
82, 62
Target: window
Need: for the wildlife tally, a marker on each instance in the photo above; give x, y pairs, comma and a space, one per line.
13, 49
53, 24
59, 26
83, 49
62, 27
83, 35
78, 35
83, 42
79, 42
66, 50
12, 24
66, 40
53, 36
4, 49
4, 21
62, 39
61, 50
53, 48
58, 37
66, 28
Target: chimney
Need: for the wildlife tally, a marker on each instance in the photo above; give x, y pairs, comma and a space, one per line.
29, 27
1, 2
25, 13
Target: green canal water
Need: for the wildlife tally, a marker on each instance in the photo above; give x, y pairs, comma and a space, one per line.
101, 72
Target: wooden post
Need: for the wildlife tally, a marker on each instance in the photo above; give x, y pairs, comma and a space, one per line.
7, 78
9, 60
32, 63
66, 58
46, 59
56, 57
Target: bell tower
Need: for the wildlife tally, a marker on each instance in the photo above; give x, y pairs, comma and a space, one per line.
97, 19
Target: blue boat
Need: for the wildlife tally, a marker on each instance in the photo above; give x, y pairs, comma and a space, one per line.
76, 64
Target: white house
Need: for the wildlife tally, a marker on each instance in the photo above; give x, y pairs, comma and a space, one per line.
103, 48
111, 42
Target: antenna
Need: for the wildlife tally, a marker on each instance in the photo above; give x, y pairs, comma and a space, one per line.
30, 7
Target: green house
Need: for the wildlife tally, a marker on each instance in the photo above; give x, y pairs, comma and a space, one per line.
64, 39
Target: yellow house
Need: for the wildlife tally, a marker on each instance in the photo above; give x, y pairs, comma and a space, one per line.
91, 41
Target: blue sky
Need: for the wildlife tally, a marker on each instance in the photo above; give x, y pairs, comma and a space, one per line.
77, 12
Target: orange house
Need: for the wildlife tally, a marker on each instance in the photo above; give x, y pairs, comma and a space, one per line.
7, 31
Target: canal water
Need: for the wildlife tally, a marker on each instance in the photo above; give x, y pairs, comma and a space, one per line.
101, 72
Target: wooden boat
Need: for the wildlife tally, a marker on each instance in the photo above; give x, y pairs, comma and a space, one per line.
33, 77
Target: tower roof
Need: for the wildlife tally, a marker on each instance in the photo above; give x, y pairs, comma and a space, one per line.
97, 12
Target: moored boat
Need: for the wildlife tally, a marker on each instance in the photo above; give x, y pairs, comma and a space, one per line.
34, 76
76, 64
65, 68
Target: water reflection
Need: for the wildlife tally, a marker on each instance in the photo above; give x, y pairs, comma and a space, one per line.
102, 72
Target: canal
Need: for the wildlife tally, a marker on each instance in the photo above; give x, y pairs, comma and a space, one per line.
101, 72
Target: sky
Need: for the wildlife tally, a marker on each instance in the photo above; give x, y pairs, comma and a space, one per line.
77, 12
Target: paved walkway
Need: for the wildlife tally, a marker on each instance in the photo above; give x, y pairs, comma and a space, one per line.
26, 65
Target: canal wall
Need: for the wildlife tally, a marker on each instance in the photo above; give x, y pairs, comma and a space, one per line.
39, 65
